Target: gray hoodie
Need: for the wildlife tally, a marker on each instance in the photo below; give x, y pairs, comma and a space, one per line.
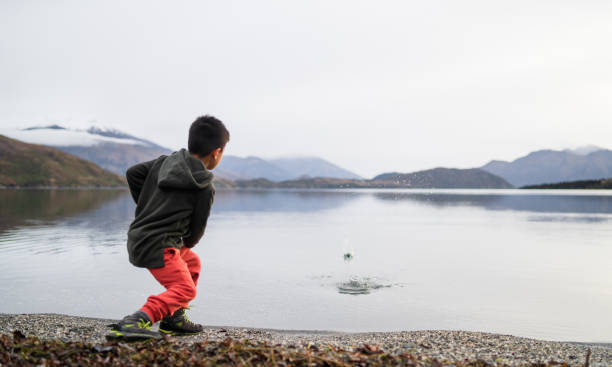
173, 196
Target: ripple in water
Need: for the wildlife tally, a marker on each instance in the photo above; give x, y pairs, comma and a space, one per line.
360, 285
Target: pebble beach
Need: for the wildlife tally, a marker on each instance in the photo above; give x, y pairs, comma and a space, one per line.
494, 349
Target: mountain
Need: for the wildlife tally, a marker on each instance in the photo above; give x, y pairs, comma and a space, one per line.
445, 178
585, 150
282, 169
253, 167
548, 166
30, 165
312, 167
116, 151
109, 148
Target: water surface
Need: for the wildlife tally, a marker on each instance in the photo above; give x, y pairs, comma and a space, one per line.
528, 263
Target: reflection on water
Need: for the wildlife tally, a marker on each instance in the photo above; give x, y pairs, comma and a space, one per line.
280, 200
509, 262
54, 221
35, 207
39, 207
568, 218
562, 203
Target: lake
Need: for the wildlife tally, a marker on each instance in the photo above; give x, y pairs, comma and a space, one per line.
527, 263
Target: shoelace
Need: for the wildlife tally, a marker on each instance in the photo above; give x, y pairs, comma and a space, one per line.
187, 321
184, 314
144, 324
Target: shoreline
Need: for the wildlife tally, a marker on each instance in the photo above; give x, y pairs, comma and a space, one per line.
452, 345
527, 191
126, 188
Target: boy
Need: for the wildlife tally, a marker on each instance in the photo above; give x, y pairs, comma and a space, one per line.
173, 196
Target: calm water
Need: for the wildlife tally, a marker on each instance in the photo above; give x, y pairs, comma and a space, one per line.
533, 264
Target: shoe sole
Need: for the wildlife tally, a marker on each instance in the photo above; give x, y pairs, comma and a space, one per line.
178, 333
129, 336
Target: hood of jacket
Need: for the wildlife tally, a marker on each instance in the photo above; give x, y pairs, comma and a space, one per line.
181, 170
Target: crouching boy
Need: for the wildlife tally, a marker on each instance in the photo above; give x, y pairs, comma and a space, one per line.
173, 196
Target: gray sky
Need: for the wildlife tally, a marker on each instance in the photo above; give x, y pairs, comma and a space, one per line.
373, 86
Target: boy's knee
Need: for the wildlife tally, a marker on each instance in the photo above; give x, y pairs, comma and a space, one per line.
195, 264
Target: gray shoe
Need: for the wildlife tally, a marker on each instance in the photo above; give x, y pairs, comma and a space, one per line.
179, 324
134, 327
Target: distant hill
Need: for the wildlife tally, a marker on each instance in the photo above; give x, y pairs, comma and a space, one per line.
444, 178
312, 167
574, 185
282, 169
109, 148
585, 150
253, 167
545, 166
116, 151
30, 165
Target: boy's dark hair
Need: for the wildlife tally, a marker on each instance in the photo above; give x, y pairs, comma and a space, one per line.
206, 134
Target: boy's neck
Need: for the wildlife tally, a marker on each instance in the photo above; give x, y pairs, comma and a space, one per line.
205, 160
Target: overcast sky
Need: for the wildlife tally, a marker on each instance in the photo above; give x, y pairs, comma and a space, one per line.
373, 86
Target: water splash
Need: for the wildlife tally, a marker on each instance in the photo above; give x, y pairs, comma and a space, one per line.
360, 285
355, 284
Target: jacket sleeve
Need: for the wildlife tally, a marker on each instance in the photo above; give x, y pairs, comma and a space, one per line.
199, 217
136, 176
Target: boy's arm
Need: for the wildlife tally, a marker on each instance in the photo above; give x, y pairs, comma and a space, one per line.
136, 176
199, 217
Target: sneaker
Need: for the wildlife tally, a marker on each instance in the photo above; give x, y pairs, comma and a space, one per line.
179, 324
134, 327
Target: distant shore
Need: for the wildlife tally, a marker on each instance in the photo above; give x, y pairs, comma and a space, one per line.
453, 346
601, 184
551, 187
334, 183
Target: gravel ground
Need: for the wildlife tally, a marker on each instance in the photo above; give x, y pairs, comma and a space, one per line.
452, 345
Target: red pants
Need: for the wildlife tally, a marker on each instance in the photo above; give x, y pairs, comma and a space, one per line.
179, 275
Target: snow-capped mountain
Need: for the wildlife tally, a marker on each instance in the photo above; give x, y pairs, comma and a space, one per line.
55, 135
109, 148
